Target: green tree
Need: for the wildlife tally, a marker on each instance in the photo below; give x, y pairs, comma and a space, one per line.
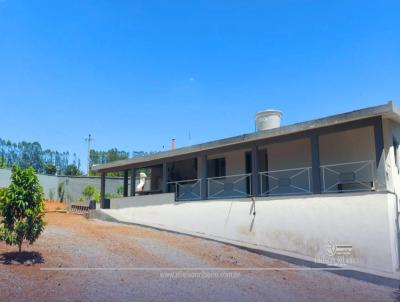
50, 169
22, 208
72, 170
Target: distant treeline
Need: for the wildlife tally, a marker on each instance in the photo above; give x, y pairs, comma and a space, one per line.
27, 154
103, 157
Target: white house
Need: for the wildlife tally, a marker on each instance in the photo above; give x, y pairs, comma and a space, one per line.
324, 190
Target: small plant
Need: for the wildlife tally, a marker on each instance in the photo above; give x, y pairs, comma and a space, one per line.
120, 190
88, 192
96, 196
21, 208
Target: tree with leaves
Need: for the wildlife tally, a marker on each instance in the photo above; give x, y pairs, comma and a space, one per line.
21, 208
71, 170
50, 169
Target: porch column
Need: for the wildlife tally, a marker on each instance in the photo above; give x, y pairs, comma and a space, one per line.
316, 176
126, 183
102, 189
164, 177
133, 182
254, 171
203, 176
380, 156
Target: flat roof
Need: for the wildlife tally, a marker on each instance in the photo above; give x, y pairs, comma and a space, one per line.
388, 110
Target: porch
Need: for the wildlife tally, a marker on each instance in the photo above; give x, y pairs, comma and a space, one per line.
347, 157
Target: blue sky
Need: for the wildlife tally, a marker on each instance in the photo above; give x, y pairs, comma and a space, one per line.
137, 73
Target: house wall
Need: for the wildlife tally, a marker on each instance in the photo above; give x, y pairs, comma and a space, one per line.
182, 170
391, 131
289, 155
283, 156
347, 146
301, 226
235, 161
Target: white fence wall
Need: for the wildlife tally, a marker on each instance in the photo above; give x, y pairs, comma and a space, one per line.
73, 186
300, 226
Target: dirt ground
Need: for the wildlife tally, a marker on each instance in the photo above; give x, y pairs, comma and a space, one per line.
51, 206
91, 260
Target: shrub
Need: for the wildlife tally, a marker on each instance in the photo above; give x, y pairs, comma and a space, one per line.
88, 191
120, 190
96, 196
22, 208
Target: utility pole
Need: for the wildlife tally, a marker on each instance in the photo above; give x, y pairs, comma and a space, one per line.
88, 139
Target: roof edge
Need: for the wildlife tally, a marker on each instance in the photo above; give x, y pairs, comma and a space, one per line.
380, 110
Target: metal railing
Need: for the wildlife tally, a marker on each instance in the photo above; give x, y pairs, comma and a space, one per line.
286, 182
348, 177
187, 189
231, 186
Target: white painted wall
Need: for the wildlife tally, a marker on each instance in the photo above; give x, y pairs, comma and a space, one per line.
391, 131
152, 200
296, 226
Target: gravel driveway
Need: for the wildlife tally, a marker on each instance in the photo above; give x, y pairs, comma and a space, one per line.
83, 260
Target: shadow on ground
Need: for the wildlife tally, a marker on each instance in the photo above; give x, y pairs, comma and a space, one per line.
27, 258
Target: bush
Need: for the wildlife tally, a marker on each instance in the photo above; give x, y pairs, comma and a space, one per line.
96, 196
88, 191
22, 208
120, 190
